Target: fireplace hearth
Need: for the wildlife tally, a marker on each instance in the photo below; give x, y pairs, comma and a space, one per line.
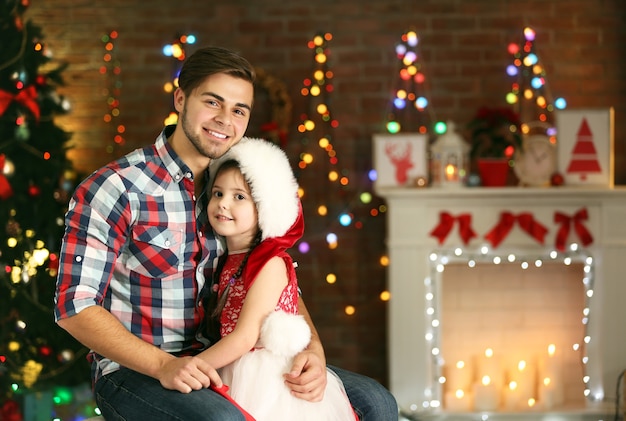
435, 233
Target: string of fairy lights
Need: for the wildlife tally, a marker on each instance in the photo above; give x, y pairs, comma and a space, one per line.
530, 94
319, 126
177, 50
113, 70
410, 108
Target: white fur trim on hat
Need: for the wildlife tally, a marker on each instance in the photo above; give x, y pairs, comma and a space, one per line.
267, 170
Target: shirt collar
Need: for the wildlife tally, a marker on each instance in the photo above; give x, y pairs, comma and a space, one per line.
172, 162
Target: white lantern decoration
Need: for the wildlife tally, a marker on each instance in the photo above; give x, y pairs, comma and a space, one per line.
449, 157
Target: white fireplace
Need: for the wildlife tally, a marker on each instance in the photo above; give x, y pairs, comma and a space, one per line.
513, 228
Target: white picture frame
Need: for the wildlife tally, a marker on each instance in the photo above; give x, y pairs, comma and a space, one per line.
585, 141
400, 159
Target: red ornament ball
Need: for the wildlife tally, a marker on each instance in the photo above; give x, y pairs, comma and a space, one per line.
557, 179
34, 191
45, 350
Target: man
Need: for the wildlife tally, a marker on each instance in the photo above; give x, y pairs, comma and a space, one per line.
136, 253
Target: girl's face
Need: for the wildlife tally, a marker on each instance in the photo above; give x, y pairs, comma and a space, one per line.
232, 211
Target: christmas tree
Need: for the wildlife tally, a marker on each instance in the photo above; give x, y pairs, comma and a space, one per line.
345, 202
36, 180
409, 109
530, 94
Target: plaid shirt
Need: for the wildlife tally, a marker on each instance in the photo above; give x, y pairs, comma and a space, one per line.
138, 243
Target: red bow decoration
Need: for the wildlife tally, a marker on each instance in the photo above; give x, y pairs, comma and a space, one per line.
566, 222
526, 222
446, 221
27, 97
5, 188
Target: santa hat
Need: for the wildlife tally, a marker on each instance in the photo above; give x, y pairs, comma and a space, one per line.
267, 170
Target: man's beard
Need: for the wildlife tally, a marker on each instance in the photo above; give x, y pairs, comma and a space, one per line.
205, 150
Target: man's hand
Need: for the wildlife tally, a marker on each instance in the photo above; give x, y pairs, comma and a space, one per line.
188, 373
307, 378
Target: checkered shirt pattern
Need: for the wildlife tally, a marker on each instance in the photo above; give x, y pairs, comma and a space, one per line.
138, 243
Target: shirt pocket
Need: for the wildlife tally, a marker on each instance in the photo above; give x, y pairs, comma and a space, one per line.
155, 250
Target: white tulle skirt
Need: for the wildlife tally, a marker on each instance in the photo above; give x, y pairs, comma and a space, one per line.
257, 384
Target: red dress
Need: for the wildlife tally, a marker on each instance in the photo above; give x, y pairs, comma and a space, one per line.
256, 379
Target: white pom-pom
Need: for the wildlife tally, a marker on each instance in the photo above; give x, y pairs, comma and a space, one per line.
285, 334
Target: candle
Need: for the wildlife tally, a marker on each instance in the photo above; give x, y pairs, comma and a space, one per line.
489, 365
547, 393
452, 173
524, 376
459, 376
551, 387
511, 396
457, 401
486, 396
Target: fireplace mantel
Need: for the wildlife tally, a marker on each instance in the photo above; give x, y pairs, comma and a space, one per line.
414, 212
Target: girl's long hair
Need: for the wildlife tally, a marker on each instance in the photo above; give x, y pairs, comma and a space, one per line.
221, 301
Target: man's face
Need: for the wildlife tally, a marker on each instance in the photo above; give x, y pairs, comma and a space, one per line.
215, 115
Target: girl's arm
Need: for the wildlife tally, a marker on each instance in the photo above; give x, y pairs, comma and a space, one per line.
260, 301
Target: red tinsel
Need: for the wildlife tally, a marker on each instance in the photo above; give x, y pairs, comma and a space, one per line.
10, 411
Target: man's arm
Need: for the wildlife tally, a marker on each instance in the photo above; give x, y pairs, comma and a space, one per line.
307, 378
98, 330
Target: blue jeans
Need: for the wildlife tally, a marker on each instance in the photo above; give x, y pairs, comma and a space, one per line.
128, 395
370, 400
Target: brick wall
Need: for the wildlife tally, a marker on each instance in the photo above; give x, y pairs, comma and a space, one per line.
464, 54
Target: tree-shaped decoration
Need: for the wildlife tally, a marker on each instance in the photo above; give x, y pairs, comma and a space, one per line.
530, 94
176, 50
112, 70
409, 109
347, 202
36, 180
584, 155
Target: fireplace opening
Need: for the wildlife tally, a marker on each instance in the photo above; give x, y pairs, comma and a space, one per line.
508, 333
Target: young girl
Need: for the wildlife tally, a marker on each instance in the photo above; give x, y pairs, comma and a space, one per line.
254, 205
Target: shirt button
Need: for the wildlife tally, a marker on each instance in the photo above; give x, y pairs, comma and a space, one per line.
188, 175
79, 258
199, 233
177, 177
167, 243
